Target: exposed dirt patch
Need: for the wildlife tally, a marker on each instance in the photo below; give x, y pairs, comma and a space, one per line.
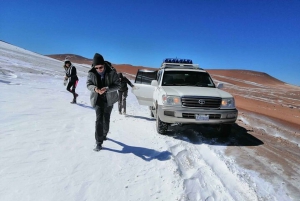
277, 159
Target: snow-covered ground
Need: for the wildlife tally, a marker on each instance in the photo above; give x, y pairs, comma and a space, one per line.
46, 147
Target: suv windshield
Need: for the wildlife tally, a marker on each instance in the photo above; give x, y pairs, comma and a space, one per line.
187, 78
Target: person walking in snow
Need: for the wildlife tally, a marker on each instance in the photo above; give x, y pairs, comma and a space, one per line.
123, 93
71, 75
103, 82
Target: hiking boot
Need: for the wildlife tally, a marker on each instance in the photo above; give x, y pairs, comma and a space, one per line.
73, 102
98, 147
120, 112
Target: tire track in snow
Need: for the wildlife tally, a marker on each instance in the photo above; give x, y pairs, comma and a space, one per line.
206, 175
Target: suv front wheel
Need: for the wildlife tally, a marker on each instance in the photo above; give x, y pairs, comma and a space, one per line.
161, 127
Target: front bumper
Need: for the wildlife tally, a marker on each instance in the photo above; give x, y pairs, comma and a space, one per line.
172, 115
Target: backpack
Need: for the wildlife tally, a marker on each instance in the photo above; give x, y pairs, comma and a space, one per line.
107, 63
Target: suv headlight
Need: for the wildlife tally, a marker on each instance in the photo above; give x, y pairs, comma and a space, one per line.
171, 100
227, 103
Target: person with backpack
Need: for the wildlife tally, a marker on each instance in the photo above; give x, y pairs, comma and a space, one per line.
71, 76
123, 93
103, 83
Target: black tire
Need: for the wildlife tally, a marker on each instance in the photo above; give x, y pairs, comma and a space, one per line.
161, 127
224, 130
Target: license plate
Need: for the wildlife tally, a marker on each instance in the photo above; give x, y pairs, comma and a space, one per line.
201, 117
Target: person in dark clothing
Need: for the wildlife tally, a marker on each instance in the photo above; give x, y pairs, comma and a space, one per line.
123, 93
103, 82
71, 75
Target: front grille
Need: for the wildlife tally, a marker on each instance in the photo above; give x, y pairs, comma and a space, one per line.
192, 116
201, 102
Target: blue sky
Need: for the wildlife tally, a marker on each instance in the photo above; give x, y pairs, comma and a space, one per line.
217, 34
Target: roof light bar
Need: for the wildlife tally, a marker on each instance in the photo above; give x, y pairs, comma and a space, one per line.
182, 61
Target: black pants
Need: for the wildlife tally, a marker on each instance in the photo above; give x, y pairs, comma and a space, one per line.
102, 121
122, 100
73, 85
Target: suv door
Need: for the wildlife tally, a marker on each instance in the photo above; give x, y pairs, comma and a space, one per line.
143, 89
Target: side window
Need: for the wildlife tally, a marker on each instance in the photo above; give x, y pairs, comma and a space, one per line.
159, 76
145, 77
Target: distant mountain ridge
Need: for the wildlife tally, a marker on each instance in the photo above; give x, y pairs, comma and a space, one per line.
73, 57
225, 75
126, 68
253, 91
244, 75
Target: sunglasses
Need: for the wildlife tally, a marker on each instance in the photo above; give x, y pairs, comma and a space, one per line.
99, 67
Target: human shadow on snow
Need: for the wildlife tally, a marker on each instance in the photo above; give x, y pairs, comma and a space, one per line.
199, 134
5, 82
140, 117
85, 106
142, 152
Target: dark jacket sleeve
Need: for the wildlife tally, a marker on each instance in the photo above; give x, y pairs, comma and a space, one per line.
128, 82
90, 82
115, 82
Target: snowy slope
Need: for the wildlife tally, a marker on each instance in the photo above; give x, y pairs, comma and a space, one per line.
46, 146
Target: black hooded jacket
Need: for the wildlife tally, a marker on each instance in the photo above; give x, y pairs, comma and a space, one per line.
71, 73
124, 82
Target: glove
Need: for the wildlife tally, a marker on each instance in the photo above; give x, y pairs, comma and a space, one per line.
134, 87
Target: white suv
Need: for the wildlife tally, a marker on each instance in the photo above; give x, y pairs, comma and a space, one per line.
182, 93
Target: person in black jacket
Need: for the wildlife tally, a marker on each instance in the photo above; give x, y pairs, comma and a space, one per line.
123, 93
71, 75
103, 83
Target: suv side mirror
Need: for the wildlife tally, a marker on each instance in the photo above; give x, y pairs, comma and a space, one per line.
220, 85
154, 83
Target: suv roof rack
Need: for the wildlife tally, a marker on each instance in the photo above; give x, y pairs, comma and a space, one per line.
176, 65
176, 60
179, 63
